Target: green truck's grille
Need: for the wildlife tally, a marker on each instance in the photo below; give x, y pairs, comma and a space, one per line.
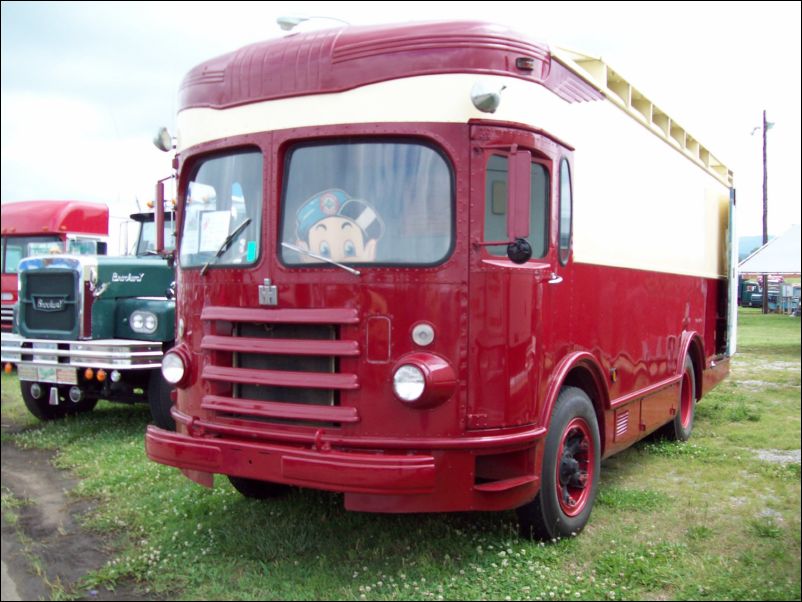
49, 304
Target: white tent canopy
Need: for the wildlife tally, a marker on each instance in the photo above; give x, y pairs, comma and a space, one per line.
781, 255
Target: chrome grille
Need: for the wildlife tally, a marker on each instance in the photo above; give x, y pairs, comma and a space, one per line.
50, 304
278, 366
7, 315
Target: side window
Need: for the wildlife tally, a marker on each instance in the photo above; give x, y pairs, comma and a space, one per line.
496, 178
223, 209
566, 207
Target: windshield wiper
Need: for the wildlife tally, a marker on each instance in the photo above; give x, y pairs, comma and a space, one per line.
226, 243
320, 257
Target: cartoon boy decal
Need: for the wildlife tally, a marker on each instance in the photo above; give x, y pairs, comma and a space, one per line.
335, 226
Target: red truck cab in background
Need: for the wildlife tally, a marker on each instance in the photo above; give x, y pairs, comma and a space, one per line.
43, 227
437, 267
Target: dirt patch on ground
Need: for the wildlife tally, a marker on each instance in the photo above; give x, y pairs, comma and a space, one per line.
777, 456
47, 550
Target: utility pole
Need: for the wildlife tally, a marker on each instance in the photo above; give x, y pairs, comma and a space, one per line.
766, 125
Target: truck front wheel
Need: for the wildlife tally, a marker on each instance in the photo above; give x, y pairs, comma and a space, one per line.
570, 474
159, 400
37, 399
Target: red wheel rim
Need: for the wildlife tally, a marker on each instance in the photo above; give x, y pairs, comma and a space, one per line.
686, 401
575, 462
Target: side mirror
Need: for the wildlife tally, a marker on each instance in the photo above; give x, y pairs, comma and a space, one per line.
159, 216
163, 140
519, 251
123, 238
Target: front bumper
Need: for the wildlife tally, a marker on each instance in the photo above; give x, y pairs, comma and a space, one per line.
46, 360
394, 479
11, 344
331, 470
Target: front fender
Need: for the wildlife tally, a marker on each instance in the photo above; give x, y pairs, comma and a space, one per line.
580, 369
164, 309
691, 344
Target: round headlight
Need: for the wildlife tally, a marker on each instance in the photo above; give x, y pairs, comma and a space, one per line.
151, 323
143, 322
137, 322
409, 382
173, 368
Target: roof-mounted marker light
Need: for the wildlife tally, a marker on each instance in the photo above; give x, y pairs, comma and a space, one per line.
290, 22
525, 63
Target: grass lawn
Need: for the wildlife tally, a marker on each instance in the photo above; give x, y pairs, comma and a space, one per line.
717, 518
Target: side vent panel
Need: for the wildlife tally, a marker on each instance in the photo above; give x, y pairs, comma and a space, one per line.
621, 424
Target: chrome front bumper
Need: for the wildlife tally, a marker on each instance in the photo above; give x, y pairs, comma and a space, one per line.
44, 360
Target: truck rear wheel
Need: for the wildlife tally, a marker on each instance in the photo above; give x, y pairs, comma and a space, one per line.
159, 401
37, 399
260, 490
570, 473
681, 427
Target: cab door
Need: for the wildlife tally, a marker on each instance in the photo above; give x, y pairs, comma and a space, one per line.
511, 302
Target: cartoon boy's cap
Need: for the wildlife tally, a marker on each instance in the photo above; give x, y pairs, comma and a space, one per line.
319, 206
364, 216
336, 202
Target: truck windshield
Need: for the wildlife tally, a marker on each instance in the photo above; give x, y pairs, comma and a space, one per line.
147, 236
225, 191
16, 248
381, 202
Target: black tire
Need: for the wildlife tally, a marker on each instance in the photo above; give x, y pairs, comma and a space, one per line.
258, 490
681, 427
159, 401
570, 474
41, 407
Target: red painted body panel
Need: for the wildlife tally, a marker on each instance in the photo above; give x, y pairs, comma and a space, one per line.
512, 335
335, 60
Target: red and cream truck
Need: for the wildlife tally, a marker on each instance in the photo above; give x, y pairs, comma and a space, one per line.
438, 267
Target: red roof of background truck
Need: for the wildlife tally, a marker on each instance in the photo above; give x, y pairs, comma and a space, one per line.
42, 217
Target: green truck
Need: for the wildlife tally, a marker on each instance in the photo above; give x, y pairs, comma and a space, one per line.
96, 327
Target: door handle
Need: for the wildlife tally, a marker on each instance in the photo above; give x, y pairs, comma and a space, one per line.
548, 277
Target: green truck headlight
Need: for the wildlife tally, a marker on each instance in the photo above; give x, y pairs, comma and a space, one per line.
143, 322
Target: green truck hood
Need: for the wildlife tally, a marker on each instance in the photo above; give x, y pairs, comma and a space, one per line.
119, 277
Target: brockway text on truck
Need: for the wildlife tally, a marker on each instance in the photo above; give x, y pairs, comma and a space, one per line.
437, 267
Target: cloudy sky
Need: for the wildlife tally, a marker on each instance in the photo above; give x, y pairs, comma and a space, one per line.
86, 84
